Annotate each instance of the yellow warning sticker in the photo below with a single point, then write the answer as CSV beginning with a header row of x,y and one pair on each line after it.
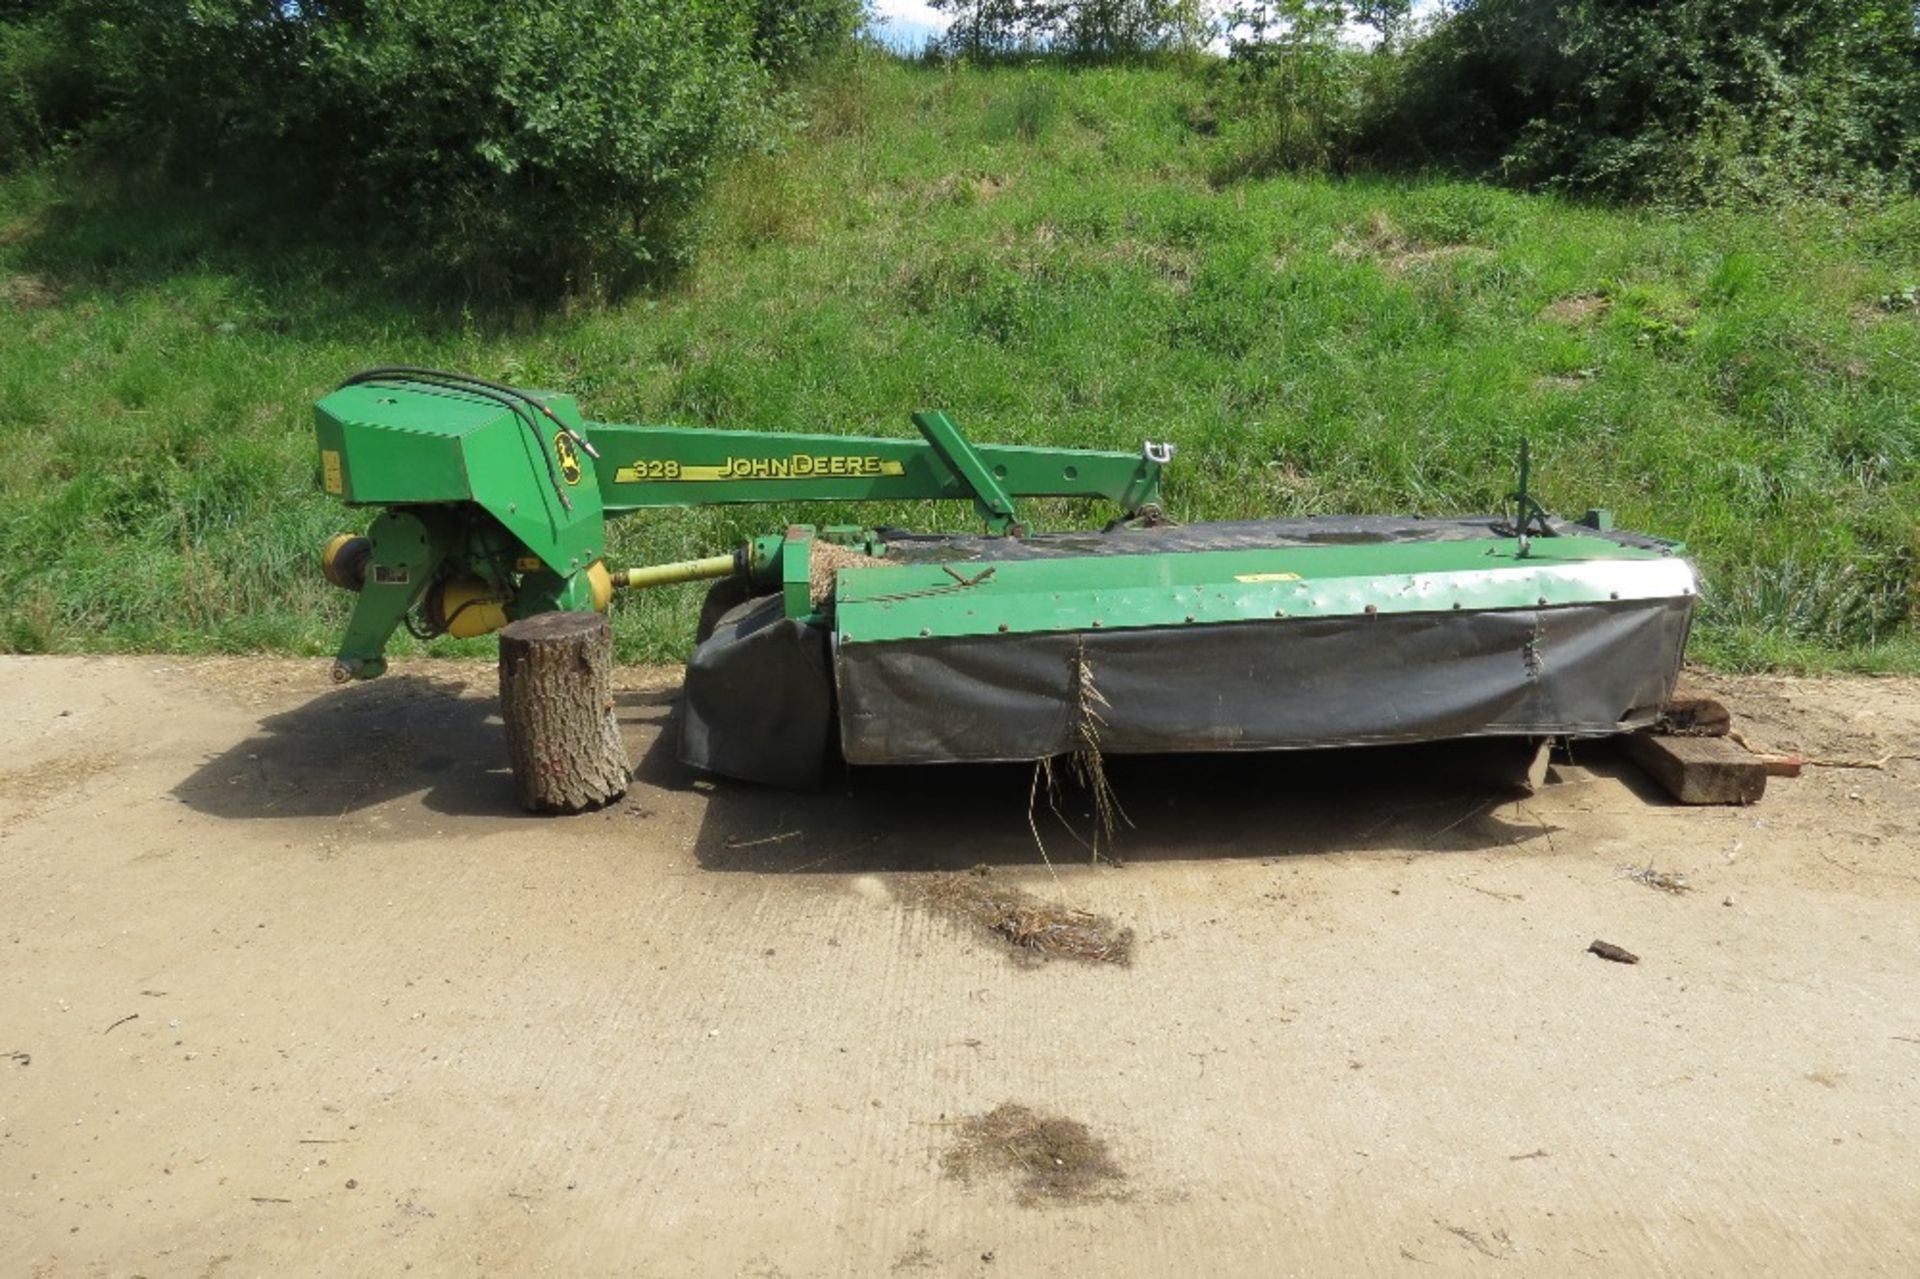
x,y
330,472
1266,577
799,466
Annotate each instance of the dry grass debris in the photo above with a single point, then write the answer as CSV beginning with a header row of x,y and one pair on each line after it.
x,y
1056,1160
1577,309
826,559
1085,764
1036,930
1397,252
1666,881
31,788
964,188
27,292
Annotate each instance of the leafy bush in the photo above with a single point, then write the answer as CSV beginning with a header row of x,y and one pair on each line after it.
x,y
791,33
1688,101
544,144
45,91
546,139
1298,93
22,53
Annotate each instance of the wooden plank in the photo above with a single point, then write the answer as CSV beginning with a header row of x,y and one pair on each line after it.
x,y
1699,770
1695,715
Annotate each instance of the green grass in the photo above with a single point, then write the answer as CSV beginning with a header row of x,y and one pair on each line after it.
x,y
1042,254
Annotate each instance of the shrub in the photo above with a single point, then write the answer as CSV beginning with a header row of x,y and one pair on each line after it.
x,y
45,92
1688,101
541,142
791,33
538,145
1298,93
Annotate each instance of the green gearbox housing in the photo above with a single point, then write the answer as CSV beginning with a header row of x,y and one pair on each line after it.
x,y
1252,635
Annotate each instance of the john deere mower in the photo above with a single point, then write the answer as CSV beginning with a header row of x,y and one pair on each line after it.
x,y
1011,643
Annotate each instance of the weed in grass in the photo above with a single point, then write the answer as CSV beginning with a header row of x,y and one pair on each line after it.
x,y
1024,111
1907,299
1833,603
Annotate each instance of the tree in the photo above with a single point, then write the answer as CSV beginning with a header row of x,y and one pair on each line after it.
x,y
1298,86
1083,30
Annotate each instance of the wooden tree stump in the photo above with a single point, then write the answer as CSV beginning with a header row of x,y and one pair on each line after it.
x,y
556,696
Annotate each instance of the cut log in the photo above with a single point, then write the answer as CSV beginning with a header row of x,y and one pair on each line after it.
x,y
1699,770
556,696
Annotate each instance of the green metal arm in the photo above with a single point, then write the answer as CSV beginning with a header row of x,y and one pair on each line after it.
x,y
496,498
642,467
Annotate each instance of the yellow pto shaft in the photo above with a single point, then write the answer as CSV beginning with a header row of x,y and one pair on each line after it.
x,y
700,570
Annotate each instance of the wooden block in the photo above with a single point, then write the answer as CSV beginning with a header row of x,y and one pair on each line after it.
x,y
1700,770
1692,714
1538,766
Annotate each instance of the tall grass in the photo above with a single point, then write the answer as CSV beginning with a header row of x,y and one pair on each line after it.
x,y
1041,253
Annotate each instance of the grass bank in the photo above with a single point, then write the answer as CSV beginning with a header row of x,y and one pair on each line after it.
x,y
1047,256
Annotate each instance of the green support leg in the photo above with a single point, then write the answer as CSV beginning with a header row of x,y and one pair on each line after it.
x,y
796,571
407,549
548,592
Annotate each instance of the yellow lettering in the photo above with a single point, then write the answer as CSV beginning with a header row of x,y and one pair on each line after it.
x,y
795,466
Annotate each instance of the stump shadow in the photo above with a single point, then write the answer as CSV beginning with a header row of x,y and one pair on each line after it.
x,y
356,747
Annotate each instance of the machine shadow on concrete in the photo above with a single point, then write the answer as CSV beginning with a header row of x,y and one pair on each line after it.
x,y
353,749
1441,797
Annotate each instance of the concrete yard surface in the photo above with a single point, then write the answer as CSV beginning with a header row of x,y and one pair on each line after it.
x,y
288,986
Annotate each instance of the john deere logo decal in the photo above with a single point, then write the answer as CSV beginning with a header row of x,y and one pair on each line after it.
x,y
799,466
569,459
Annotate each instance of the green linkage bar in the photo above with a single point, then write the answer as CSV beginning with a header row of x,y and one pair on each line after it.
x,y
664,466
